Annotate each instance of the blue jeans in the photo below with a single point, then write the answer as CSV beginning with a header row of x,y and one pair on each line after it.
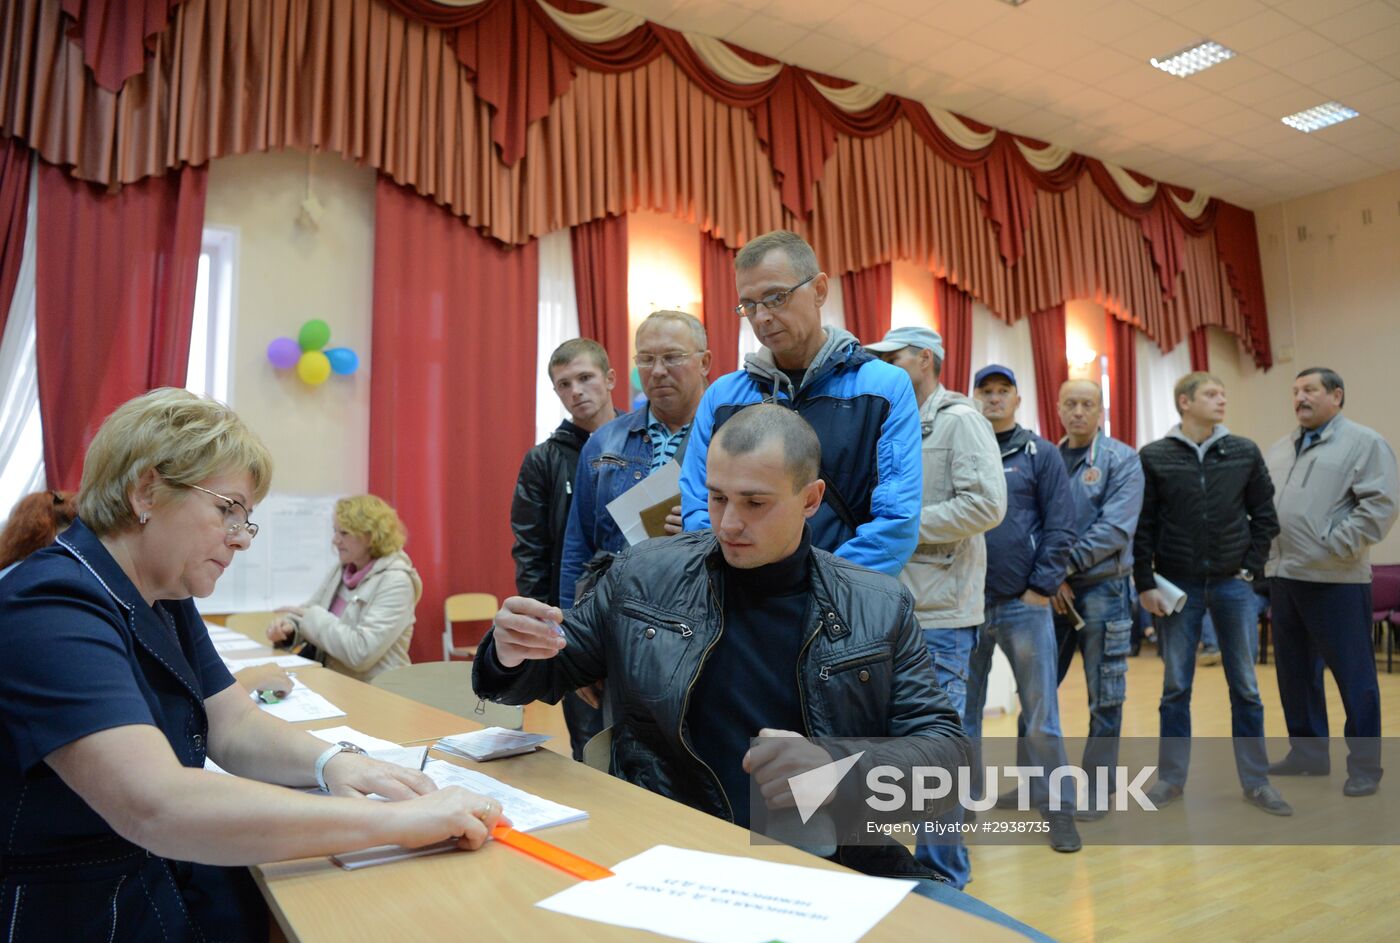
x,y
1231,603
1104,641
947,894
1026,634
951,651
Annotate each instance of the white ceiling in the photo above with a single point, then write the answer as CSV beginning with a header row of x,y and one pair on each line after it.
x,y
1075,72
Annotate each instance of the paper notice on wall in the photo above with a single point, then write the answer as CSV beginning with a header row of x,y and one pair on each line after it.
x,y
287,561
710,898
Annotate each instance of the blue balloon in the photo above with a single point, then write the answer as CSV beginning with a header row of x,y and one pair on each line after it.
x,y
343,360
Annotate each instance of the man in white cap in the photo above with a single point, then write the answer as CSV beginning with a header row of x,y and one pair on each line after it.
x,y
964,496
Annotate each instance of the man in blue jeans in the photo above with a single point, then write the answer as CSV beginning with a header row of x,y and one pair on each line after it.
x,y
1026,557
1105,478
1206,524
964,496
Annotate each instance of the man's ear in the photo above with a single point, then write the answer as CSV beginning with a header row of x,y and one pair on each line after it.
x,y
820,287
812,497
611,378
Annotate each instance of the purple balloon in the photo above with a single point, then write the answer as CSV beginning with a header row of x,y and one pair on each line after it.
x,y
284,353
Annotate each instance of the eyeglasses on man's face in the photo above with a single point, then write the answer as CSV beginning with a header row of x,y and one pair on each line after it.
x,y
671,359
236,513
772,301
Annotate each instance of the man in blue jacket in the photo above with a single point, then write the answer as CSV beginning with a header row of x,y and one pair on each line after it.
x,y
1026,558
862,409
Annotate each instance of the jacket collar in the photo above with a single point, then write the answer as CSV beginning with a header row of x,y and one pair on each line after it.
x,y
1090,457
153,627
569,434
833,622
1020,438
1334,425
840,349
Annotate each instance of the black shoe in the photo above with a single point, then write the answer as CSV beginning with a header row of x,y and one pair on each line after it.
x,y
1008,800
1290,766
1163,794
1089,815
1361,786
1208,656
1267,798
1064,837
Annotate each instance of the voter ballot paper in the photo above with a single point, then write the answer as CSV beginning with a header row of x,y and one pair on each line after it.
x,y
527,813
492,743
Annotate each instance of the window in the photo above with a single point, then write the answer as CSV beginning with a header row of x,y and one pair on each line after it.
x,y
21,434
212,328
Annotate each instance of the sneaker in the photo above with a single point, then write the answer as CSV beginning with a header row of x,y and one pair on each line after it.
x,y
1267,798
1361,786
1064,837
1090,814
1208,657
1163,794
1290,766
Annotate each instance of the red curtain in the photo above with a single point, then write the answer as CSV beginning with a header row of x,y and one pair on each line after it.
x,y
1122,379
452,394
116,34
955,324
115,281
600,281
718,300
869,296
1200,348
1051,367
14,213
1237,245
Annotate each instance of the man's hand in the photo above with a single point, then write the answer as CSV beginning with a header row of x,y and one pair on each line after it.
x,y
1154,602
1031,598
592,695
674,524
1063,599
527,629
784,754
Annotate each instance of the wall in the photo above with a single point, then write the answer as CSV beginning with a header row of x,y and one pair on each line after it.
x,y
1333,301
287,274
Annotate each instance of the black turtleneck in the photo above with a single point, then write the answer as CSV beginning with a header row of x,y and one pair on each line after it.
x,y
749,680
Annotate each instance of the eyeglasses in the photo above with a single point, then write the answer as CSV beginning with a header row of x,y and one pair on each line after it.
x,y
236,514
672,359
772,301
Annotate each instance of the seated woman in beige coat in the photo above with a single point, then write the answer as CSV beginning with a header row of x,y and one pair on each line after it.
x,y
361,619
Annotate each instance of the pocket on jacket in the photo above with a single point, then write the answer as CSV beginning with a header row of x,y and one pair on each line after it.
x,y
939,555
938,475
655,645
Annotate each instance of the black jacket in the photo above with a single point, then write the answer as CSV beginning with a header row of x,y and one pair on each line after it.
x,y
1203,519
539,511
649,625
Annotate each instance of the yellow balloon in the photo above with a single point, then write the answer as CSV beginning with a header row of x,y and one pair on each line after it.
x,y
313,368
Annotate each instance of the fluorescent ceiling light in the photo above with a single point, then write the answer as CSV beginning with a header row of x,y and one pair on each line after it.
x,y
1194,59
1314,119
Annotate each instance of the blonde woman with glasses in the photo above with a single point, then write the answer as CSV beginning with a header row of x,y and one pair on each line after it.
x,y
112,698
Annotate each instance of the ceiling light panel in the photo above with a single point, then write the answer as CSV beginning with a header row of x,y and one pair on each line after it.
x,y
1193,59
1322,116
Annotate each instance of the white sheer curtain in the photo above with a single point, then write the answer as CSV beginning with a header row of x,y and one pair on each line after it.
x,y
995,341
21,435
1157,374
558,323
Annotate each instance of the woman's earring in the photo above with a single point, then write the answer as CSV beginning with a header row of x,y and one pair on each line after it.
x,y
145,517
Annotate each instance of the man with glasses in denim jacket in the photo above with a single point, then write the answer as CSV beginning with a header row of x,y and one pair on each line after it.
x,y
862,409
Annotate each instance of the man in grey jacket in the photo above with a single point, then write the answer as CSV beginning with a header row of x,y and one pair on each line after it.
x,y
1337,485
964,496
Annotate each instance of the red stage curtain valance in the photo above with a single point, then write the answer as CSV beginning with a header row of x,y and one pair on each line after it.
x,y
718,300
869,296
1051,367
955,324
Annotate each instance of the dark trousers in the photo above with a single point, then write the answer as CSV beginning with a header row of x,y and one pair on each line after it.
x,y
1317,624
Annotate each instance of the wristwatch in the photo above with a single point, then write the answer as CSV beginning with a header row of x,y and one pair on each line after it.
x,y
334,750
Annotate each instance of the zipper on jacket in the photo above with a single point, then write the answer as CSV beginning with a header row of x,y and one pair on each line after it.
x,y
685,701
869,658
801,656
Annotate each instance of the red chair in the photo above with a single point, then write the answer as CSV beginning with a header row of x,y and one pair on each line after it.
x,y
1385,606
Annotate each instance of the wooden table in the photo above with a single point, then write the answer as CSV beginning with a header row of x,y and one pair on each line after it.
x,y
490,894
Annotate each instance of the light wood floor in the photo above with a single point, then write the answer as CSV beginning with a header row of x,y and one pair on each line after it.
x,y
1197,894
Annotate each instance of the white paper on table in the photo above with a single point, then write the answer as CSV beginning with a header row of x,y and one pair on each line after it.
x,y
237,644
1172,594
281,661
349,734
710,898
626,508
301,703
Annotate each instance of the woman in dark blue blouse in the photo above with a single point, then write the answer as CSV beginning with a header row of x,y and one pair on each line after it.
x,y
112,696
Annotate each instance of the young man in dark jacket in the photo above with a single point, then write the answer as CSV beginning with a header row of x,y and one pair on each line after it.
x,y
1206,524
539,512
716,637
1026,558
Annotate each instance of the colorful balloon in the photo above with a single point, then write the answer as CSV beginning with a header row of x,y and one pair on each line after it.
x,y
313,368
344,361
314,334
283,353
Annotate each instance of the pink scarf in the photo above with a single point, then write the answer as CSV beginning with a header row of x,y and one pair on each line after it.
x,y
349,578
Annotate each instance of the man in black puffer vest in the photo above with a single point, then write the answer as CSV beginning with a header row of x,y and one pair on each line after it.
x,y
1206,524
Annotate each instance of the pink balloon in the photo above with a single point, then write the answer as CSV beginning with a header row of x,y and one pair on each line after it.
x,y
284,353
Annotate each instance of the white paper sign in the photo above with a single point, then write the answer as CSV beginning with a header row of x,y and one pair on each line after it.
x,y
709,898
627,507
1173,595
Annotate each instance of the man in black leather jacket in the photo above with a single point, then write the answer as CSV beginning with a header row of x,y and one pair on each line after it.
x,y
539,512
717,636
